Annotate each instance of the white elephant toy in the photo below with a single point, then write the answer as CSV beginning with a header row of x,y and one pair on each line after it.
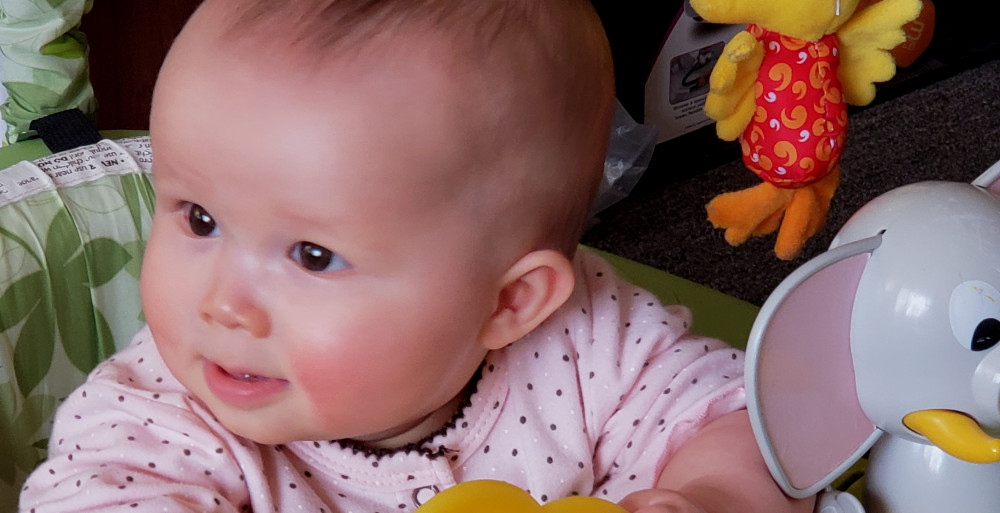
x,y
889,342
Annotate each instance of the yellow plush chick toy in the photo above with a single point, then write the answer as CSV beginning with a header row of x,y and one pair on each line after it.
x,y
487,496
782,87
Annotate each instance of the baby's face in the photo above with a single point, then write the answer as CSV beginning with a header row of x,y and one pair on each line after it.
x,y
311,274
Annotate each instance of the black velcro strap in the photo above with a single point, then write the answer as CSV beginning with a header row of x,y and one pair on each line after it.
x,y
66,130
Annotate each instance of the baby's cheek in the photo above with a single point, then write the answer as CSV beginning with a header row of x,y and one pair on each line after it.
x,y
340,353
184,364
168,311
317,374
332,377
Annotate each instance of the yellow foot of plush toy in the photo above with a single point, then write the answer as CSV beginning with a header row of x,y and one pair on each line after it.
x,y
797,214
488,496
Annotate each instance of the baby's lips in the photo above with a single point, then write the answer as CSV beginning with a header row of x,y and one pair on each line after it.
x,y
488,496
243,373
239,388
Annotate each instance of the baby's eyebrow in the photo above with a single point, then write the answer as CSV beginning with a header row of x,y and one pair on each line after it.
x,y
302,215
170,177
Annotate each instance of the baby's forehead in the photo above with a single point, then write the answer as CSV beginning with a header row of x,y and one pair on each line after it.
x,y
340,28
489,89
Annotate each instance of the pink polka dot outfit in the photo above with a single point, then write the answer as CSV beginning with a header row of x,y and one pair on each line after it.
x,y
593,402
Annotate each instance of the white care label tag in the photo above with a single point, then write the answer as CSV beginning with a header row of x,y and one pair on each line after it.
x,y
22,180
76,166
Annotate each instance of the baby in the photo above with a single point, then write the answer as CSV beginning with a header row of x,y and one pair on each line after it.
x,y
362,283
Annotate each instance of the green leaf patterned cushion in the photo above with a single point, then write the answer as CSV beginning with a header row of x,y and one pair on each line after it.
x,y
73,227
43,56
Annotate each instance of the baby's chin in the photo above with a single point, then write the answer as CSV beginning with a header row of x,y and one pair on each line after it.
x,y
420,429
269,426
266,432
258,426
264,436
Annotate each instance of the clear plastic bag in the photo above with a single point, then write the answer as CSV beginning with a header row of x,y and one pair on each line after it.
x,y
630,149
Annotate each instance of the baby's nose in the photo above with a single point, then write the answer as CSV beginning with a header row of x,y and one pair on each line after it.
x,y
230,301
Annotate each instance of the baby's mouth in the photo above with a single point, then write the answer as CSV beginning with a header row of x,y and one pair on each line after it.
x,y
241,388
242,376
238,373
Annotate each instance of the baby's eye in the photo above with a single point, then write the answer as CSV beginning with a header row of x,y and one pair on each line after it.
x,y
316,258
200,221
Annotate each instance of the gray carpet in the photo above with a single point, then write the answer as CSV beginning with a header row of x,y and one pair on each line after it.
x,y
948,130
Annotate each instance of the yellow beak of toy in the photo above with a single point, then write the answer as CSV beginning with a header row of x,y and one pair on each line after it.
x,y
488,496
956,434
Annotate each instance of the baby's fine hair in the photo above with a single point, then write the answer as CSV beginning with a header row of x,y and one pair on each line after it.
x,y
568,64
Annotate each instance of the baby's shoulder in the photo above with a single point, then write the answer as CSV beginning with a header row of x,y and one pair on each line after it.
x,y
133,385
607,321
137,366
133,396
605,306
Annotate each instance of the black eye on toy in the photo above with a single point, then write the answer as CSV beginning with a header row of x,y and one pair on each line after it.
x,y
987,334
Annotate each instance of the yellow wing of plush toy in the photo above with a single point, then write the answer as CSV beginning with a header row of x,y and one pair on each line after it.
x,y
731,98
865,42
782,87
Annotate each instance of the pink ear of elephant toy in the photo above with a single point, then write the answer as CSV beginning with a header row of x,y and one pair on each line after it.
x,y
889,342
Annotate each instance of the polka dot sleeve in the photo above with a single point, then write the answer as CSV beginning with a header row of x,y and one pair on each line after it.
x,y
647,384
131,439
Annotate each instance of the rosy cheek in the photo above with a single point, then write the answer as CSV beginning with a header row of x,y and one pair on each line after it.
x,y
331,370
318,376
340,370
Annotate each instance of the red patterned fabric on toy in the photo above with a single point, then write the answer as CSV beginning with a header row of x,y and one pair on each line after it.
x,y
797,133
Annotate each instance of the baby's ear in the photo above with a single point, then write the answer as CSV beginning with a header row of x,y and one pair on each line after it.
x,y
532,289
